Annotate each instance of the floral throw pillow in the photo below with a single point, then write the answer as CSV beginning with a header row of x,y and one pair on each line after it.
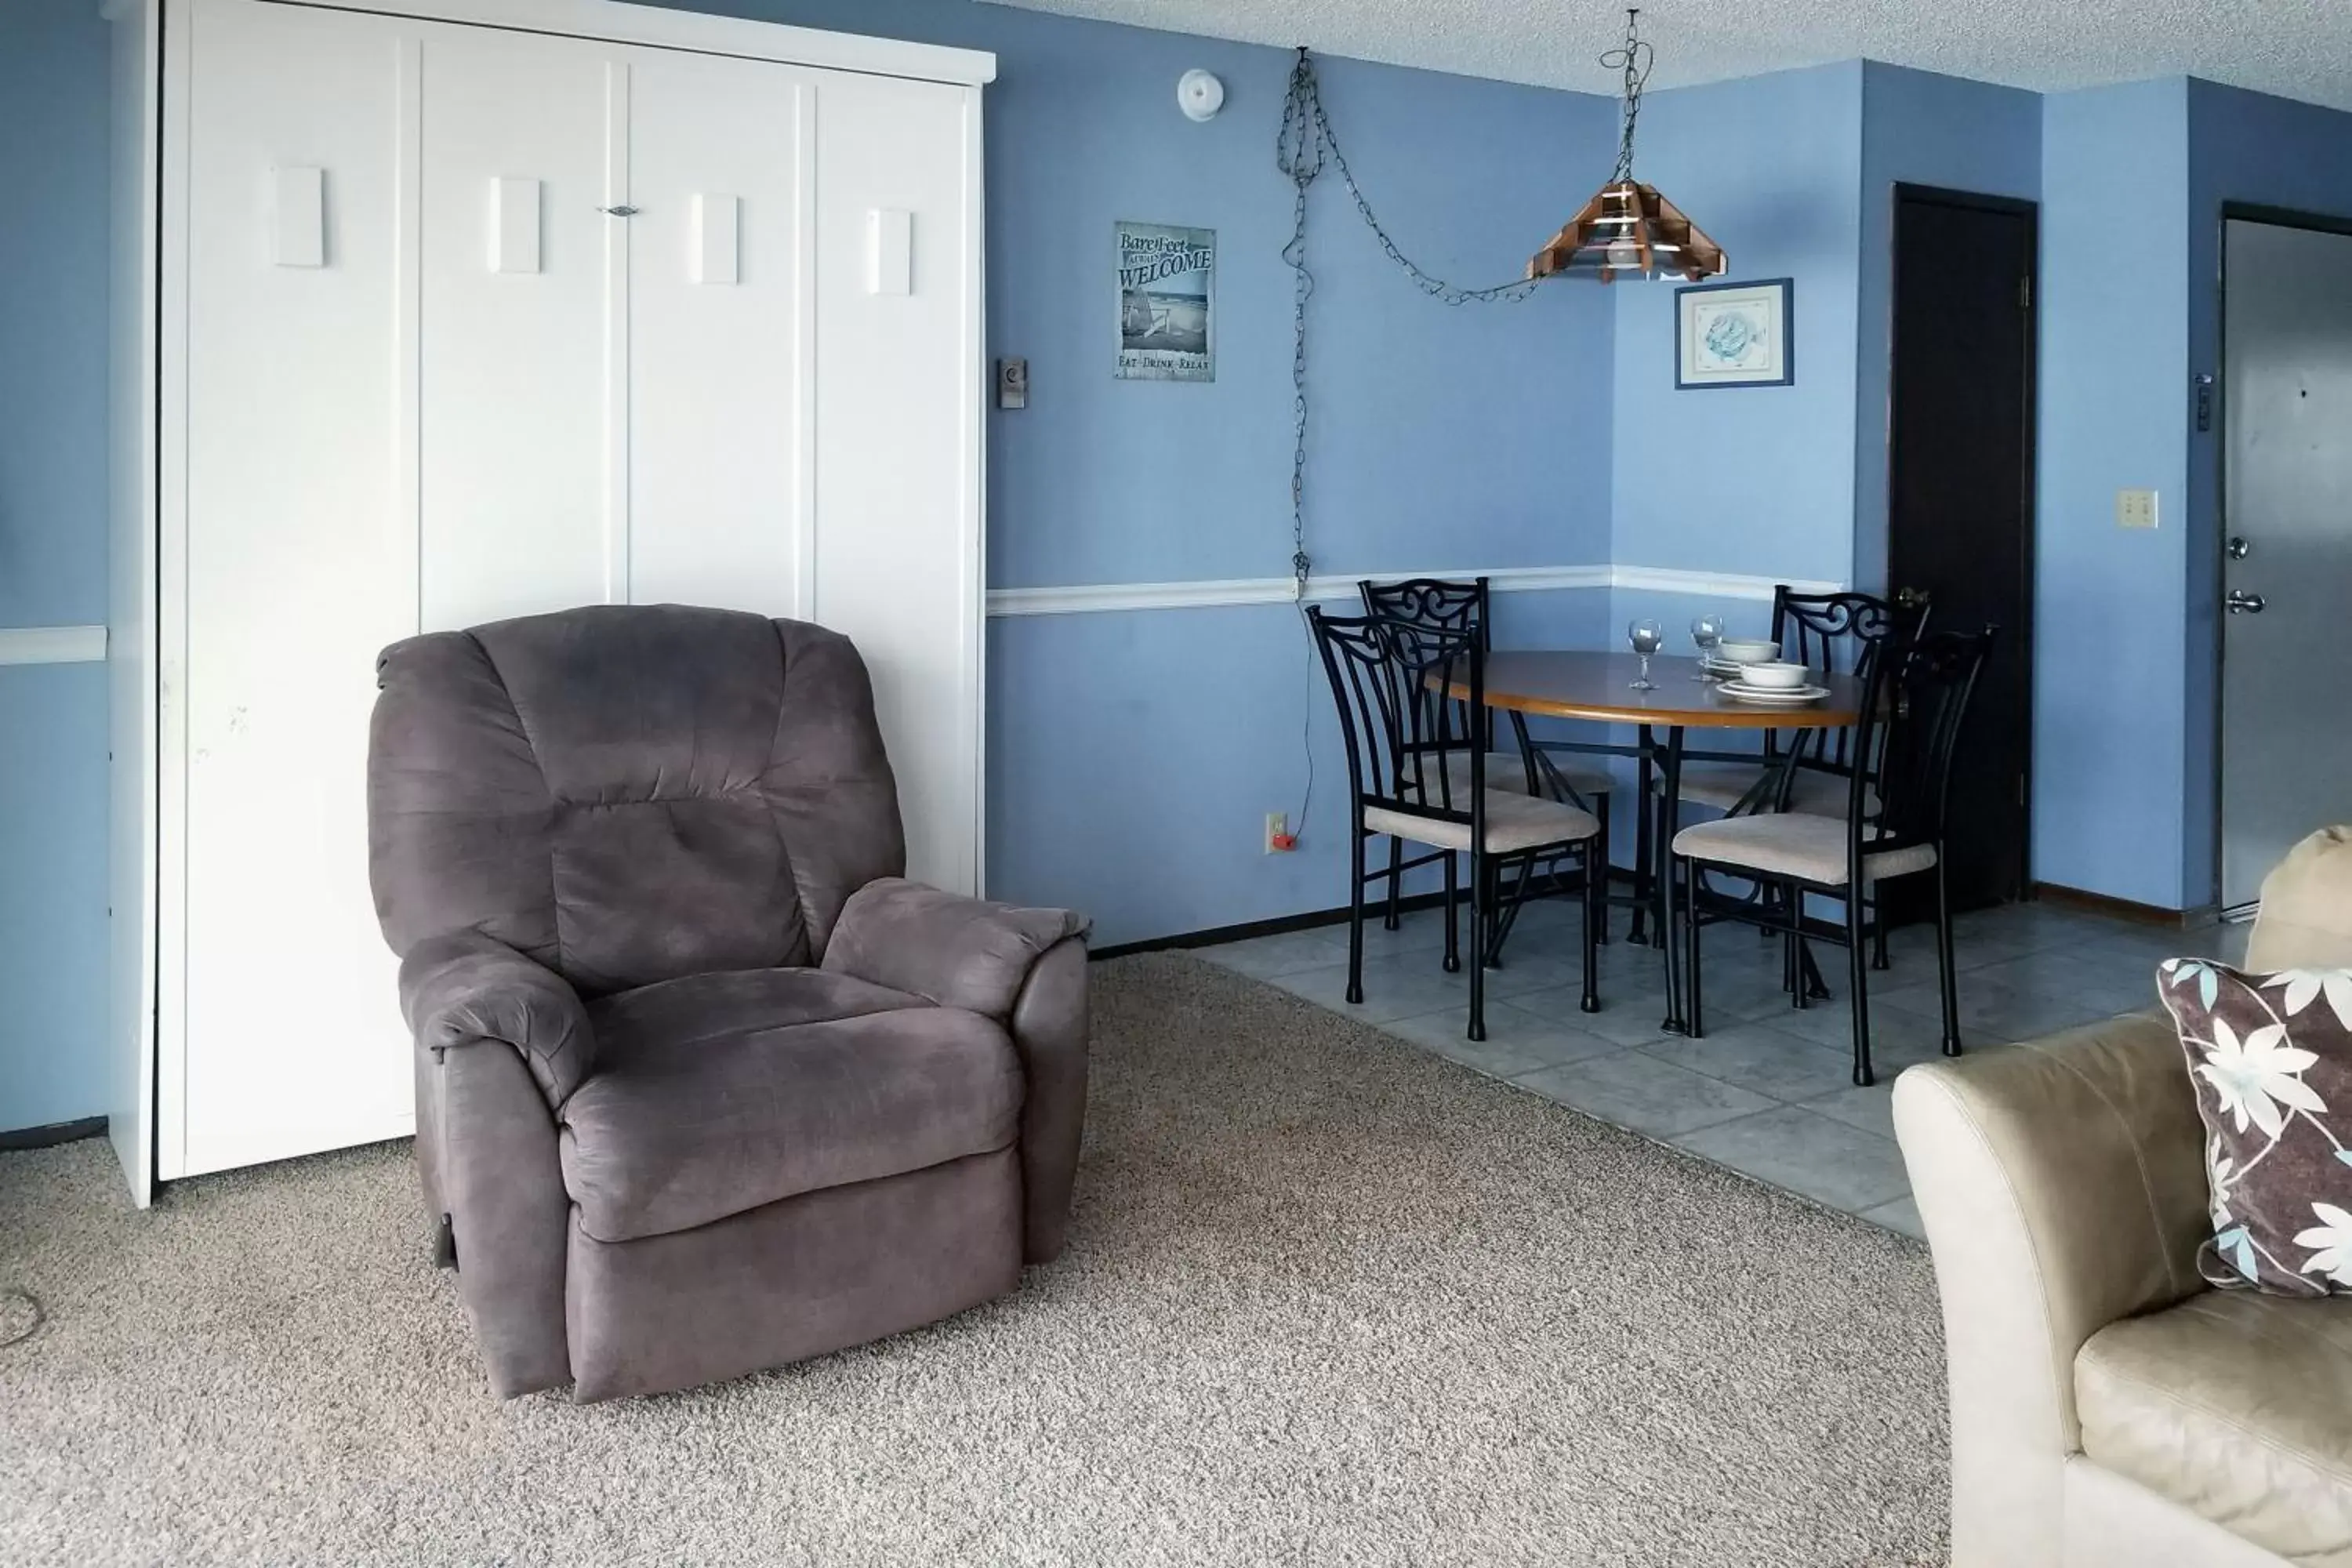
x,y
2271,1059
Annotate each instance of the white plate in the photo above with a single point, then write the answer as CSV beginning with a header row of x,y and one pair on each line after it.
x,y
1790,695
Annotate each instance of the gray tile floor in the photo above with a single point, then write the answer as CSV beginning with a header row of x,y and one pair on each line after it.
x,y
1768,1091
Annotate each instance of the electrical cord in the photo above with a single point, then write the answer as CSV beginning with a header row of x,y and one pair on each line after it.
x,y
1302,147
31,1311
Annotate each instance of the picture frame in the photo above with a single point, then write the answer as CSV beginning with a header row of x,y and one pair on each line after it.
x,y
1166,302
1735,334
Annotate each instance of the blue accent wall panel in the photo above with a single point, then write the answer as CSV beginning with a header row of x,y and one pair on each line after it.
x,y
53,502
1748,479
2109,602
1920,127
53,313
53,945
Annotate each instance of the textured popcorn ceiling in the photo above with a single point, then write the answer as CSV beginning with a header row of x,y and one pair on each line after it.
x,y
2296,49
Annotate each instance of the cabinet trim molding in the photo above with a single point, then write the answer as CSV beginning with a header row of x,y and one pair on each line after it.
x,y
614,22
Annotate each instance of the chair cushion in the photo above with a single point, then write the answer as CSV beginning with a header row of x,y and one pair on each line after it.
x,y
715,1094
1793,844
2235,1406
1514,822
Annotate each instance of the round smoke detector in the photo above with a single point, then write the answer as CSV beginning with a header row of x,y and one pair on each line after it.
x,y
1199,95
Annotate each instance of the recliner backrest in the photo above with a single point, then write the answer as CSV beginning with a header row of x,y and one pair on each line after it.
x,y
628,794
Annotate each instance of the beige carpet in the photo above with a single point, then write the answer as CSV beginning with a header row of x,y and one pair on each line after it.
x,y
1328,1300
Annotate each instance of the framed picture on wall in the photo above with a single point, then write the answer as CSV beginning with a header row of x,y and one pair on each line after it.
x,y
1734,334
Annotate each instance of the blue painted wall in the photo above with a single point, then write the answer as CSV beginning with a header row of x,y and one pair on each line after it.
x,y
2109,603
1918,128
53,279
1752,479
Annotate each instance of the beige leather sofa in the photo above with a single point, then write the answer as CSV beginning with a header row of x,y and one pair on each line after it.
x,y
2108,1410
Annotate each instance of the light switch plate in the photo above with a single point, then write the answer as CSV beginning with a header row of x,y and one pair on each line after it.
x,y
2134,509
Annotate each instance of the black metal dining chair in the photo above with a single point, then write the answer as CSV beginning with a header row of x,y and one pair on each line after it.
x,y
1837,634
1409,699
1453,605
1915,700
1842,633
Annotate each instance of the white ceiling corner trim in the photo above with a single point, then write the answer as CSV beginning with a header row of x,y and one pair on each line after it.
x,y
2294,49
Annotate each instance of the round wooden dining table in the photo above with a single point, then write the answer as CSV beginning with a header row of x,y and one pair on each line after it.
x,y
1577,683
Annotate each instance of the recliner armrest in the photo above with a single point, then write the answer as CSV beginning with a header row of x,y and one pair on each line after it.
x,y
463,987
955,951
2062,1185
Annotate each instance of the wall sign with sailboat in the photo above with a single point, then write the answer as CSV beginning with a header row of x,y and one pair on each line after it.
x,y
1166,302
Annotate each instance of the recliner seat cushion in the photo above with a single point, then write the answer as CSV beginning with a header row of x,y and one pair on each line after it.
x,y
725,1092
704,1007
2233,1406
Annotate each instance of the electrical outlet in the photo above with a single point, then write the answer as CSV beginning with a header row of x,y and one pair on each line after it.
x,y
2134,509
1279,840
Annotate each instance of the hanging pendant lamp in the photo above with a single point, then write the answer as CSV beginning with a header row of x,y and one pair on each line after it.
x,y
1628,229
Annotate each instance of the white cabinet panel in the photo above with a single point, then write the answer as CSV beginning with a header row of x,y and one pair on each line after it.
x,y
298,566
718,458
898,546
413,375
518,412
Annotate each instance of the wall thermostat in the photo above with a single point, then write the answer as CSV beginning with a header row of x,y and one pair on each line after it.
x,y
1199,95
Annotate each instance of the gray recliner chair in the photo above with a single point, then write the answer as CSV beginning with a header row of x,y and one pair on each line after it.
x,y
703,1086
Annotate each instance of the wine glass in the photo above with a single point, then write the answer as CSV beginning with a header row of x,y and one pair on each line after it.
x,y
1706,632
1647,637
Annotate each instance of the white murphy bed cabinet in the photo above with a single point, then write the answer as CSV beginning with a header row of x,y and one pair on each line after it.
x,y
430,312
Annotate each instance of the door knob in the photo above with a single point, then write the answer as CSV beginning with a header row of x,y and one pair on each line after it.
x,y
2242,602
1909,598
2238,547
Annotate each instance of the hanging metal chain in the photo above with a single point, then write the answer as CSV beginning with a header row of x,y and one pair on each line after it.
x,y
1305,143
1298,152
1301,148
1633,57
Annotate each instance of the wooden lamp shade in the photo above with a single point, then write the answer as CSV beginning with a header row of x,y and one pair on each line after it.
x,y
1629,228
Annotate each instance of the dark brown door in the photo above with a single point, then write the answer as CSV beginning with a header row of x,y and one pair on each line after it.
x,y
1961,495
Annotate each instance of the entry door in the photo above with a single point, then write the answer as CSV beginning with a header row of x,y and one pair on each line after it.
x,y
2287,755
1960,496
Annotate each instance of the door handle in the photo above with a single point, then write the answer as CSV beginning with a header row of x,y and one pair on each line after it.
x,y
1909,598
2240,602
